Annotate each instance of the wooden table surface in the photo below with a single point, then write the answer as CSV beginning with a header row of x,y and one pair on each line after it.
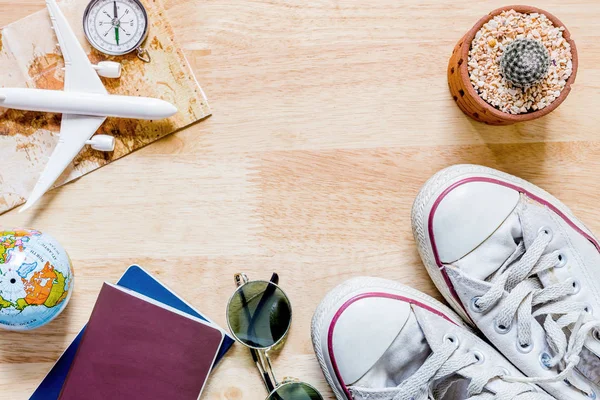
x,y
328,117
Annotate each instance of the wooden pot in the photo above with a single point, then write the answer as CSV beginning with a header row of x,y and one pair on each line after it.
x,y
465,95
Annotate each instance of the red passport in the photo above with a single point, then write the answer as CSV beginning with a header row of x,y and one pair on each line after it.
x,y
136,348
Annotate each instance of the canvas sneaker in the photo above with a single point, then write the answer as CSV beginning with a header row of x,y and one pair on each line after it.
x,y
377,339
514,261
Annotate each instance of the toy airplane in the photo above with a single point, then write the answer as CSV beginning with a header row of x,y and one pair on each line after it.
x,y
84,104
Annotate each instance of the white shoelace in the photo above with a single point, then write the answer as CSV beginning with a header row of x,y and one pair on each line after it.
x,y
440,371
527,299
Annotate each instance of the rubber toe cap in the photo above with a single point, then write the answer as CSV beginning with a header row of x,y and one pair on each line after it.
x,y
468,214
364,331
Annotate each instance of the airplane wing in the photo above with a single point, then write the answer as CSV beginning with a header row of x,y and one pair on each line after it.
x,y
75,130
80,76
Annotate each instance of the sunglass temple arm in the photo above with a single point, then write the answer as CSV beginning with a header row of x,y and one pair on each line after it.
x,y
261,358
266,369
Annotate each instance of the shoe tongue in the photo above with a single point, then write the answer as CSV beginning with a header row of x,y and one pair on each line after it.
x,y
405,355
532,219
494,251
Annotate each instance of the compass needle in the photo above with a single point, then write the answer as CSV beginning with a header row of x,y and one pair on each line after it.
x,y
116,27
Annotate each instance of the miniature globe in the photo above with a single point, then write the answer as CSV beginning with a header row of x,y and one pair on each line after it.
x,y
36,279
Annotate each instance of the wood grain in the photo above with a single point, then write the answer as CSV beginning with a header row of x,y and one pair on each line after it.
x,y
328,117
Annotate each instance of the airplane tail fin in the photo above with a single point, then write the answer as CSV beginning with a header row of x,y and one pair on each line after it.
x,y
30,202
38,191
24,208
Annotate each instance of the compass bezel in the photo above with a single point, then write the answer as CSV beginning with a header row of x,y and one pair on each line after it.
x,y
86,14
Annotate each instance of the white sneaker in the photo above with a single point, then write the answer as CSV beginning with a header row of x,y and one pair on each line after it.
x,y
515,262
377,339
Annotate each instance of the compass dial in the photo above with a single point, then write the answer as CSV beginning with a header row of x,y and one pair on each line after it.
x,y
115,27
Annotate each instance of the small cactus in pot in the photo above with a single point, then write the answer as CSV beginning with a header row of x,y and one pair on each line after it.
x,y
525,62
516,64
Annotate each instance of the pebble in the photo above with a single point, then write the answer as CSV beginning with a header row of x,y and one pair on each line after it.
x,y
486,51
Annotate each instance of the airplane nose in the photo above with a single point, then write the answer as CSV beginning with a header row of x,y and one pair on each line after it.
x,y
172,110
164,108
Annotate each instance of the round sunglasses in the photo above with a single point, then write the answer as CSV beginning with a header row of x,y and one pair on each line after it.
x,y
259,315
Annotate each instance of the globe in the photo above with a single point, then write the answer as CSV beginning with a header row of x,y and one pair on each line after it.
x,y
36,279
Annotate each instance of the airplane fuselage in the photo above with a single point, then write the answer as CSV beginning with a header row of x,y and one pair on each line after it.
x,y
101,105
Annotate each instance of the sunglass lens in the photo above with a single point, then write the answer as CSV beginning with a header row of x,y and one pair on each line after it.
x,y
295,391
259,314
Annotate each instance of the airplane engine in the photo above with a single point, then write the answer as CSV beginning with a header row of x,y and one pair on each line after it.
x,y
108,69
102,143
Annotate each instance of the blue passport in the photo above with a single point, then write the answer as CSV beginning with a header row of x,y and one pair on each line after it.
x,y
138,280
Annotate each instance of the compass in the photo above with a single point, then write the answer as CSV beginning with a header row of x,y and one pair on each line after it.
x,y
117,27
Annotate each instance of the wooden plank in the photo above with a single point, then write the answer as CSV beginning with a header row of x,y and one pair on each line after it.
x,y
328,117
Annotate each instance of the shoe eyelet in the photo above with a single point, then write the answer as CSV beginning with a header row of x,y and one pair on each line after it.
x,y
450,338
505,372
596,334
525,349
588,309
502,329
546,231
576,286
592,394
562,260
479,357
474,306
545,360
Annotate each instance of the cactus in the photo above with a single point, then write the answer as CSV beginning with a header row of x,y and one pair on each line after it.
x,y
525,62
